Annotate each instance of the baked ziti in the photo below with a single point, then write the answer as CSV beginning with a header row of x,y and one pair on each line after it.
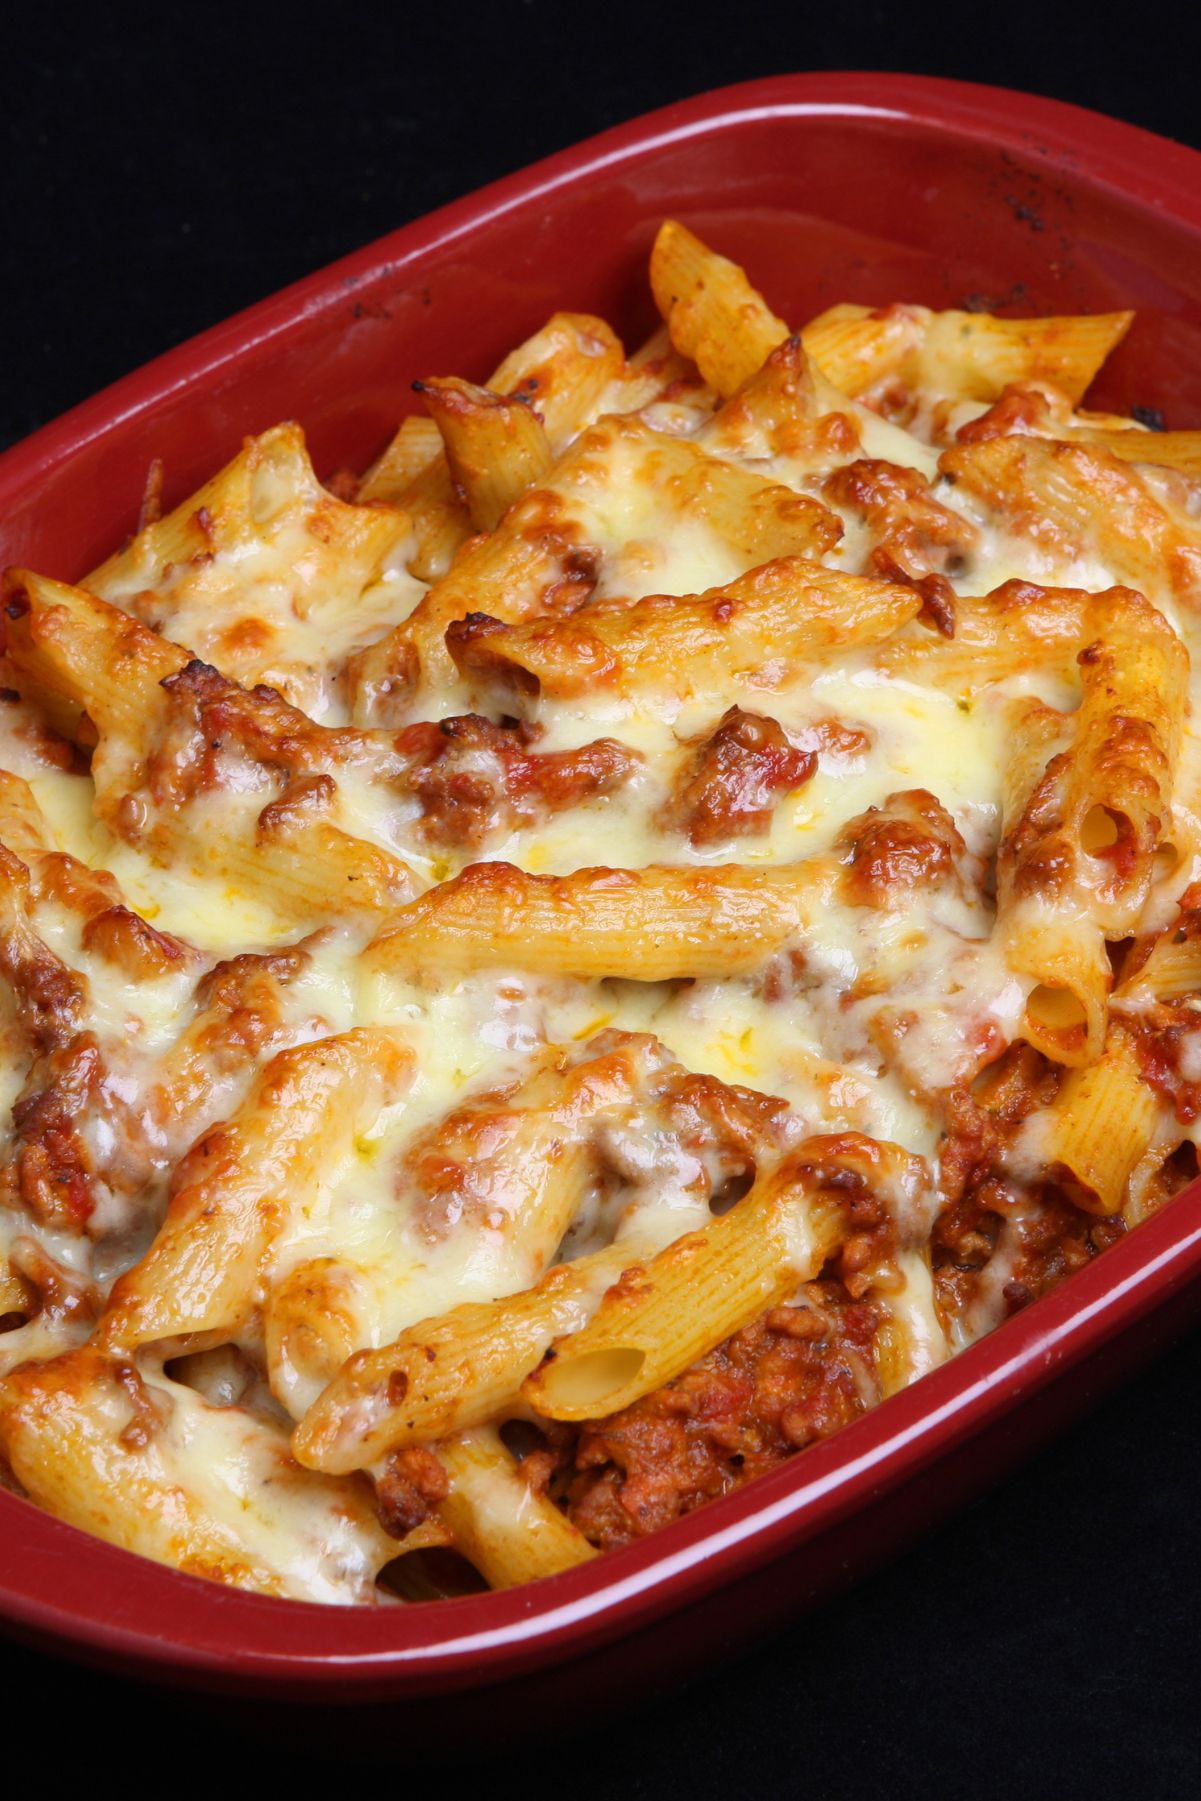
x,y
545,976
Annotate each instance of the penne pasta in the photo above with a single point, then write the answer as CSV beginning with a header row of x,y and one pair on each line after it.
x,y
1075,500
495,448
655,370
714,315
1103,1121
413,474
662,1315
260,557
1166,967
1179,450
450,1374
978,355
233,1191
645,925
1081,834
560,374
973,356
312,1320
857,346
508,1531
755,631
786,409
563,372
416,446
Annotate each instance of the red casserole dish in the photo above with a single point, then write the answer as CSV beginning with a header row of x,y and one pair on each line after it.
x,y
829,187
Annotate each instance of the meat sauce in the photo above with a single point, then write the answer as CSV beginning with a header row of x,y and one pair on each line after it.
x,y
793,1376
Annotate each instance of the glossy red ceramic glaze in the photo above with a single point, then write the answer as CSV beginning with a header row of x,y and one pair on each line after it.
x,y
862,187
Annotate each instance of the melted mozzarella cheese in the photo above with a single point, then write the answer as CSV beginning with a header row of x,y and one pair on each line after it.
x,y
928,973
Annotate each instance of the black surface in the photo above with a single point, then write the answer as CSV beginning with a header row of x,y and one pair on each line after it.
x,y
165,169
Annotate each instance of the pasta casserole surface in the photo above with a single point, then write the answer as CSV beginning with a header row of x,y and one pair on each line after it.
x,y
544,977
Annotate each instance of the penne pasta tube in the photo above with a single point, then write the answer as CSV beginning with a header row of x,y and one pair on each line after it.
x,y
148,701
312,1321
1156,1177
505,1528
91,655
1080,835
1179,450
265,572
857,346
973,356
1076,499
267,500
59,1429
1101,1123
1060,950
1110,795
755,517
561,373
417,444
495,448
786,409
1066,963
521,1159
309,868
452,1373
233,1193
977,356
1166,967
653,368
437,512
661,1316
1019,627
1117,792
1035,734
648,925
755,630
713,313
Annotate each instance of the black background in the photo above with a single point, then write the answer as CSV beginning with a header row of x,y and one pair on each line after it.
x,y
161,171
